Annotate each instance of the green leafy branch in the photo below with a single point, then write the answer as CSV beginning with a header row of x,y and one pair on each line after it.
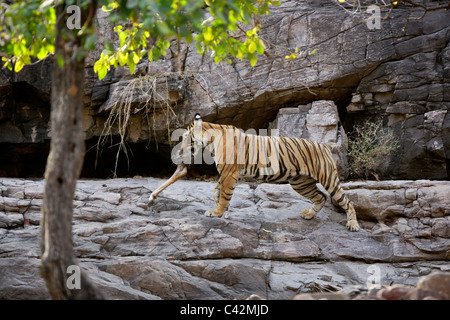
x,y
26,31
154,23
298,53
145,28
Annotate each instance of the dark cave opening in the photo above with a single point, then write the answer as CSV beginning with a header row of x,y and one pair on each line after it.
x,y
28,160
142,159
23,160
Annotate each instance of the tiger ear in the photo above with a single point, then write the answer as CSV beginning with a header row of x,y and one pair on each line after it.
x,y
198,121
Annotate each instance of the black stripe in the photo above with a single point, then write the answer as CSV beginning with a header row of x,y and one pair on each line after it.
x,y
305,161
342,198
334,190
306,148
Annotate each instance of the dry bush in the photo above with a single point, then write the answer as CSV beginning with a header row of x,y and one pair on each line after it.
x,y
368,148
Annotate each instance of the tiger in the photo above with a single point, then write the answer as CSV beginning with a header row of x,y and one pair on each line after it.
x,y
300,162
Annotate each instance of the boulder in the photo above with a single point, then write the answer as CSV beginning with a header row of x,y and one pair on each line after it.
x,y
436,282
318,121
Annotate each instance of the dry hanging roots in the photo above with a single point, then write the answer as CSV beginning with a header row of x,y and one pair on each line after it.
x,y
120,112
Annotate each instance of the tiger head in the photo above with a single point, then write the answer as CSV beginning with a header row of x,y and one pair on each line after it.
x,y
197,132
193,140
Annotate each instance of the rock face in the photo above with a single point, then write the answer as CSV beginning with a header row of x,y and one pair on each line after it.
x,y
172,251
415,107
398,73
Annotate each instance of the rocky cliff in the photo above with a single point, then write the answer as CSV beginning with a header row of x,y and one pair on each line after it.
x,y
398,73
172,251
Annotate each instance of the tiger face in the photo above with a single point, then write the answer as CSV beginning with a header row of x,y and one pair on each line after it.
x,y
197,134
193,140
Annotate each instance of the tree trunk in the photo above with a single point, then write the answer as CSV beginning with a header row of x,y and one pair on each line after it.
x,y
64,165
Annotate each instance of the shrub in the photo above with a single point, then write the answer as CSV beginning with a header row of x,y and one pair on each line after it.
x,y
368,148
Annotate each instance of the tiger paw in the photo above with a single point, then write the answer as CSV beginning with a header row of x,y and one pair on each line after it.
x,y
307,214
151,200
353,225
212,213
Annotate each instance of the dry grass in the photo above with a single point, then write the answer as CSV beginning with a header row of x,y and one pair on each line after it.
x,y
125,106
369,148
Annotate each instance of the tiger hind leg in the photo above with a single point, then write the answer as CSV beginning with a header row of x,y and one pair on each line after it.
x,y
307,187
344,202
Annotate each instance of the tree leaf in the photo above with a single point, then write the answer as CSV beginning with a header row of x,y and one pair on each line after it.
x,y
97,65
150,55
252,58
19,65
240,52
90,41
110,6
132,66
251,47
220,49
102,72
163,28
60,60
208,35
261,47
136,58
166,44
42,53
122,58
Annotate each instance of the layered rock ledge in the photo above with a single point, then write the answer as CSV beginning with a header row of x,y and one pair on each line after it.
x,y
172,251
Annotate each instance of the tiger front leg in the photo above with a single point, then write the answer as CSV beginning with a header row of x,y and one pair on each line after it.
x,y
215,213
217,193
180,172
222,204
222,195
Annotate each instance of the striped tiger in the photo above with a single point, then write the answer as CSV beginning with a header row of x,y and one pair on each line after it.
x,y
300,162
